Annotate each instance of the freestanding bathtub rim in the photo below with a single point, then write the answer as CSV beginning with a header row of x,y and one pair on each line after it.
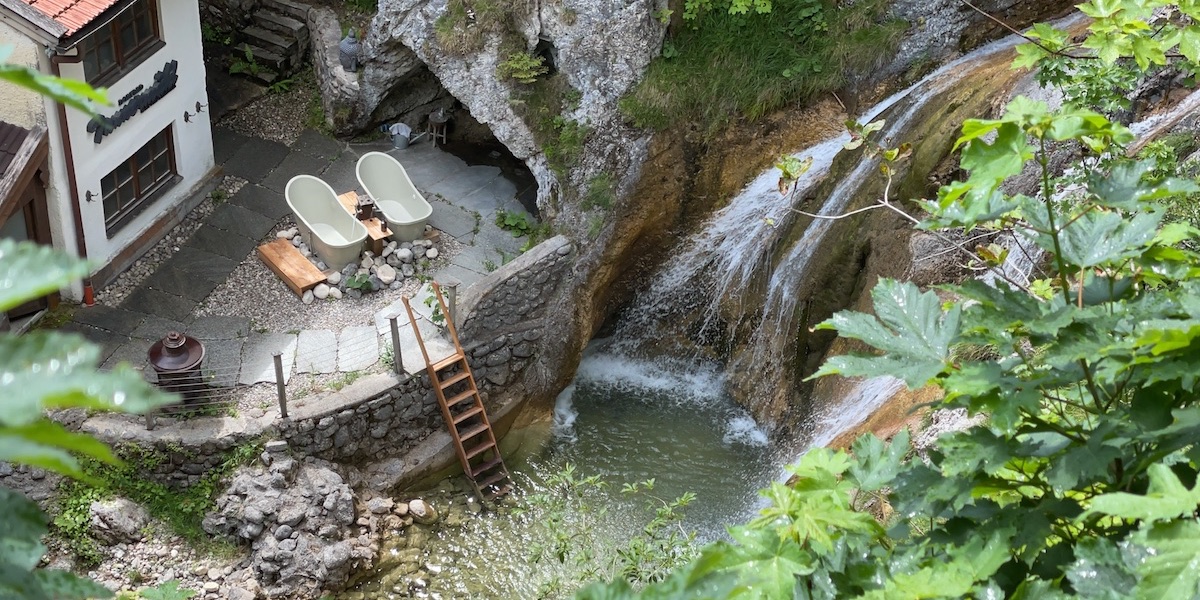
x,y
397,187
320,206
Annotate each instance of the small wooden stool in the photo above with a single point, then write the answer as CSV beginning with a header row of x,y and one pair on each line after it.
x,y
436,127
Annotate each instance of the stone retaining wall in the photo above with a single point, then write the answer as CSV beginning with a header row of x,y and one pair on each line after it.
x,y
379,416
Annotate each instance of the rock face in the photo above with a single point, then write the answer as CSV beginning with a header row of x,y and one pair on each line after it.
x,y
299,519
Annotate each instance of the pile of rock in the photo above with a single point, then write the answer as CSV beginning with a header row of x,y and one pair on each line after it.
x,y
299,518
397,261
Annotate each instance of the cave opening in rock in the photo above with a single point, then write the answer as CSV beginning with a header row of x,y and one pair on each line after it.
x,y
416,97
549,54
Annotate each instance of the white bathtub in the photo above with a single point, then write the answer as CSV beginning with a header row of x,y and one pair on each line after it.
x,y
334,234
387,183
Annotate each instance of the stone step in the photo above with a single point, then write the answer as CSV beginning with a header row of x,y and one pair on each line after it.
x,y
291,9
263,58
283,25
273,42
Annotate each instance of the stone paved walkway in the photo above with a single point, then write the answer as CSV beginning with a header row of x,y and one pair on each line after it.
x,y
464,198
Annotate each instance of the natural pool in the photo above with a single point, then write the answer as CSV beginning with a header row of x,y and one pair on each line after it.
x,y
623,420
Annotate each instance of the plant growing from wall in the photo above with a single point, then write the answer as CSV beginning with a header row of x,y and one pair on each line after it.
x,y
522,67
246,64
1084,480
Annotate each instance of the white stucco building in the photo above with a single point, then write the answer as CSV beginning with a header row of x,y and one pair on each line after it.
x,y
113,185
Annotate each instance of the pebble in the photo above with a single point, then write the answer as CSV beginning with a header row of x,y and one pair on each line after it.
x,y
296,241
367,262
334,278
285,235
211,586
335,293
321,292
215,574
431,253
200,570
388,251
405,254
322,266
307,298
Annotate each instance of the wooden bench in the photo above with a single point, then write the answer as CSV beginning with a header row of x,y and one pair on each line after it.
x,y
286,261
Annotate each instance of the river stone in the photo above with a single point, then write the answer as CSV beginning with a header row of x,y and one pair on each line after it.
x,y
321,292
386,274
307,298
296,241
380,506
422,512
388,250
335,293
405,254
367,262
334,278
285,235
431,253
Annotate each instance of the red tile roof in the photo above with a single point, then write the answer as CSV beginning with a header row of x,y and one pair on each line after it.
x,y
11,138
72,14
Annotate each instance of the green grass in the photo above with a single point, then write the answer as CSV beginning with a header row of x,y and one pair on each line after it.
x,y
181,510
726,66
600,192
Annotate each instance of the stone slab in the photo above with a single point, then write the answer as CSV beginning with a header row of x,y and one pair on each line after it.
x,y
107,341
226,143
223,362
296,163
109,318
316,351
171,280
241,221
258,362
318,145
383,325
357,348
202,264
133,351
340,174
219,328
154,302
255,158
469,188
491,237
464,275
436,345
218,241
266,202
453,220
155,328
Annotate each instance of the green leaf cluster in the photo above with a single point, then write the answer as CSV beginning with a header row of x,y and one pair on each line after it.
x,y
1083,479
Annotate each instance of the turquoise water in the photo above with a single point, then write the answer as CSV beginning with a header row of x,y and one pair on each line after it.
x,y
622,420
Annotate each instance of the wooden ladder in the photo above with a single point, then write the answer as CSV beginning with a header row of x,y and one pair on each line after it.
x,y
462,408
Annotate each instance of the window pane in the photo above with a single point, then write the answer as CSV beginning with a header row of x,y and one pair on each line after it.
x,y
110,206
122,174
106,56
128,40
143,155
162,166
127,195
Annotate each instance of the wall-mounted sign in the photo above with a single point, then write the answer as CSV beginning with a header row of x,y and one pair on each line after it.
x,y
135,102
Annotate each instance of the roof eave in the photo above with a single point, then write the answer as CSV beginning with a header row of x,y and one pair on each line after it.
x,y
36,22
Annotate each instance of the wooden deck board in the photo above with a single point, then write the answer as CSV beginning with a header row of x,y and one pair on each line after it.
x,y
286,261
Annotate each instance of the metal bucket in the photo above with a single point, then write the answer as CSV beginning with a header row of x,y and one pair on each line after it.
x,y
399,142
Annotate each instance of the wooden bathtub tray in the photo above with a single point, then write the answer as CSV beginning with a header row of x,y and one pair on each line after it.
x,y
286,261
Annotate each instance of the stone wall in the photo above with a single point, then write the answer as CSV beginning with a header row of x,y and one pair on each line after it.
x,y
504,324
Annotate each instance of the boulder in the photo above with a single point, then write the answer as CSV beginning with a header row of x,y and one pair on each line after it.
x,y
117,520
422,512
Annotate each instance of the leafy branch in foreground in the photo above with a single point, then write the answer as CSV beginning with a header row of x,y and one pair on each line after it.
x,y
39,372
1083,479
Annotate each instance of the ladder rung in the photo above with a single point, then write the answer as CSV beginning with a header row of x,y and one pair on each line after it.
x,y
480,449
460,397
493,480
449,360
467,414
473,431
484,467
455,379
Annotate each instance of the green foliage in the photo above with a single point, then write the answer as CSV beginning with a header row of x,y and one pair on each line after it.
x,y
568,514
1082,481
245,64
436,316
600,192
40,371
522,67
167,590
182,510
359,281
749,63
76,94
281,86
693,8
466,24
516,222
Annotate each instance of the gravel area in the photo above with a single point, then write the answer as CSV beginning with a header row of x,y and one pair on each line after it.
x,y
278,116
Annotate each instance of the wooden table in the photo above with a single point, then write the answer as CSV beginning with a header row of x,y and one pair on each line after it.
x,y
374,226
